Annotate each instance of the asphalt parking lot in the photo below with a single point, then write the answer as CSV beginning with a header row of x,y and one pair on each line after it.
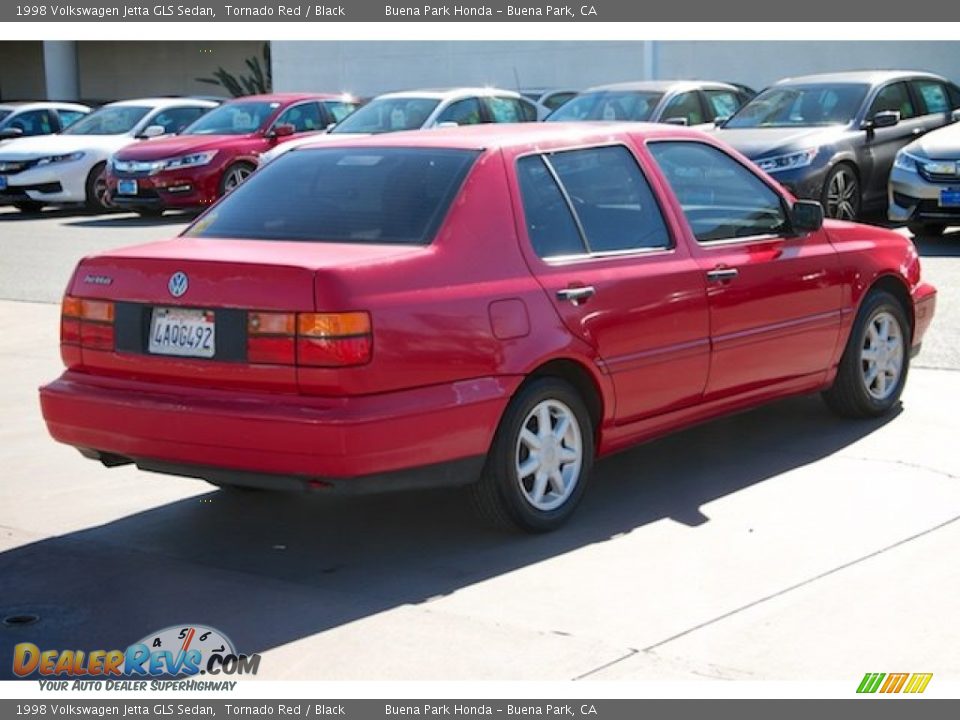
x,y
780,544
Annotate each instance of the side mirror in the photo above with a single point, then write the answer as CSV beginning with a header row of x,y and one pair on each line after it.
x,y
330,127
954,115
806,216
676,121
152,131
282,130
883,119
447,123
720,121
10,132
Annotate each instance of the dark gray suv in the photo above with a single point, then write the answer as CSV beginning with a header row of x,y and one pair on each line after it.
x,y
833,137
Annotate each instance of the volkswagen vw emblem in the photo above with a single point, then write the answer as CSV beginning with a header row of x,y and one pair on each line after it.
x,y
178,284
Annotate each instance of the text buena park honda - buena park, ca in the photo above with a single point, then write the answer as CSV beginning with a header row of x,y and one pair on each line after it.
x,y
565,11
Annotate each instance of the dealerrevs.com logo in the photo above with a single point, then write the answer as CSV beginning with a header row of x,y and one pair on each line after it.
x,y
176,651
888,683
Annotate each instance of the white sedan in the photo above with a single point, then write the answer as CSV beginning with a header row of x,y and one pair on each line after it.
x,y
70,167
422,109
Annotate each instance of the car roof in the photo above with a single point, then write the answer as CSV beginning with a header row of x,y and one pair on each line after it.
x,y
154,102
490,136
868,77
663,86
41,105
450,93
289,97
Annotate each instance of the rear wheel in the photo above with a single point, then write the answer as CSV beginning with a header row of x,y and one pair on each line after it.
x,y
234,176
841,193
28,206
97,197
873,369
540,460
927,229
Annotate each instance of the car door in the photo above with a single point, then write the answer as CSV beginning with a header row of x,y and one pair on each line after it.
x,y
600,246
882,144
775,297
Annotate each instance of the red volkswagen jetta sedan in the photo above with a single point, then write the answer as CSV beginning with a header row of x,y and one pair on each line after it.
x,y
491,306
217,152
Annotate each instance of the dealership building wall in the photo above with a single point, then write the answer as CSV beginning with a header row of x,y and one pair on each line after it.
x,y
368,68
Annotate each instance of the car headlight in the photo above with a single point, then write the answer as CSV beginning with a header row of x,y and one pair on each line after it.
x,y
192,160
49,160
939,167
906,161
791,161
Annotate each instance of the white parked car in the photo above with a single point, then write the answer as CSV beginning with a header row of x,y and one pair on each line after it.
x,y
422,109
70,167
26,119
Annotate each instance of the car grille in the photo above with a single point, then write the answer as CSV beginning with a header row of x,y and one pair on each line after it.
x,y
132,168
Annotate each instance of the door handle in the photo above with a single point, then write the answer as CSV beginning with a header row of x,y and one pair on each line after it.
x,y
577,295
722,274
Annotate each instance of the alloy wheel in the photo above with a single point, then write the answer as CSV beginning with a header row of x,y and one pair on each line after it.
x,y
235,177
843,195
881,356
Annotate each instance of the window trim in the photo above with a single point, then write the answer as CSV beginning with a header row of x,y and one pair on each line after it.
x,y
759,237
590,255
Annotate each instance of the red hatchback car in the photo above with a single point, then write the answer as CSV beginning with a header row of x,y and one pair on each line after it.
x,y
492,306
217,152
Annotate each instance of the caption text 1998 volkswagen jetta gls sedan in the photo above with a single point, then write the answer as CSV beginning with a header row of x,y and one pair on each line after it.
x,y
490,306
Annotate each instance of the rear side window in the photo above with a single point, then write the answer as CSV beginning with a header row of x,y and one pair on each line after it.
x,y
462,112
340,109
510,110
606,196
723,103
721,199
933,95
354,195
69,117
553,231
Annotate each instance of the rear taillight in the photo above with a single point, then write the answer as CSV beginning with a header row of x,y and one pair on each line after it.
x,y
87,323
312,339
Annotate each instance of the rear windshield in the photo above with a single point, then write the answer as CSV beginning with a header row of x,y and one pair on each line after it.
x,y
608,105
356,195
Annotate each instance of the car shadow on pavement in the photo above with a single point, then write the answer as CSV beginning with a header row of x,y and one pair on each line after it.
x,y
269,568
946,245
132,221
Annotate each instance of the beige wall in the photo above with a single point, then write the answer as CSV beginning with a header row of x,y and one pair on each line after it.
x,y
21,70
116,70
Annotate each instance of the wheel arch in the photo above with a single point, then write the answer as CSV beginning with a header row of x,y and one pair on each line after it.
x,y
897,287
582,380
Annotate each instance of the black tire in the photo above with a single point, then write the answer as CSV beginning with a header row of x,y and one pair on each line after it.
x,y
149,212
926,229
28,206
499,497
840,195
849,395
226,182
96,188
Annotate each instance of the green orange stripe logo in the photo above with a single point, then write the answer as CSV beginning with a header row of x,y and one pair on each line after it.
x,y
894,683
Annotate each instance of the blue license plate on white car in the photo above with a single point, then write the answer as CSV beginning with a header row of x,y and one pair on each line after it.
x,y
950,197
3,182
126,187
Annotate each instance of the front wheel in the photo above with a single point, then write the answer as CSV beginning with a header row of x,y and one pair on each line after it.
x,y
540,460
841,193
98,198
873,369
234,176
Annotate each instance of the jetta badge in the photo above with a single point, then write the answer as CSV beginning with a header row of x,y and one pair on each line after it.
x,y
178,284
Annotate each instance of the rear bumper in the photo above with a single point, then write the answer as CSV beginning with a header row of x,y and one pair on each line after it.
x,y
924,306
272,437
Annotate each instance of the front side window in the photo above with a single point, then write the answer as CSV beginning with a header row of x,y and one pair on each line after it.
x,y
350,195
304,117
388,115
174,120
721,199
462,112
110,120
605,193
934,96
687,106
801,106
608,105
510,110
34,122
723,103
234,118
896,98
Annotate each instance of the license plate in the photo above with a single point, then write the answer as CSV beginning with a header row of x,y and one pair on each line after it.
x,y
950,197
126,187
3,182
183,332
